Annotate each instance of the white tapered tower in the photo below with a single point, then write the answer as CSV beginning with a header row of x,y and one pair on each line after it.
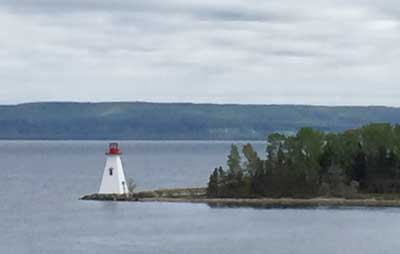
x,y
113,181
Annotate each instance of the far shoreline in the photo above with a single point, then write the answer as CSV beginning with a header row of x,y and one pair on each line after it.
x,y
144,140
198,195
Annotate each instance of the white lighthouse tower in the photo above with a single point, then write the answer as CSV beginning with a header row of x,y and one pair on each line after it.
x,y
113,181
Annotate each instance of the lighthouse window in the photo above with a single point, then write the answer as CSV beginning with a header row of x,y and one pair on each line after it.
x,y
110,171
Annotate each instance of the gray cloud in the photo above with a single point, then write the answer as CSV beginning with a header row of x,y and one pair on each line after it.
x,y
316,52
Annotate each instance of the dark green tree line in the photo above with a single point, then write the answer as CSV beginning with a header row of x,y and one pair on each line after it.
x,y
312,163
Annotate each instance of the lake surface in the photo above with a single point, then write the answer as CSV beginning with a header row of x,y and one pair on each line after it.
x,y
41,181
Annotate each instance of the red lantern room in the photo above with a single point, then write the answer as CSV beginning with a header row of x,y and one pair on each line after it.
x,y
113,149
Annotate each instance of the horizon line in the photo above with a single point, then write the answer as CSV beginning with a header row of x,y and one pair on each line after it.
x,y
196,103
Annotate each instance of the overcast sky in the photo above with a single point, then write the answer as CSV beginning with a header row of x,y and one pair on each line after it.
x,y
339,52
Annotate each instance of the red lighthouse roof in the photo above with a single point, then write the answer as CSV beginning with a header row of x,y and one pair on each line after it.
x,y
113,149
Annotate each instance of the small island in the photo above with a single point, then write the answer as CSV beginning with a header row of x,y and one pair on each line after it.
x,y
358,167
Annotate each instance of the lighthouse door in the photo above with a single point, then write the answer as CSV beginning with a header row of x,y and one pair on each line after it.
x,y
123,186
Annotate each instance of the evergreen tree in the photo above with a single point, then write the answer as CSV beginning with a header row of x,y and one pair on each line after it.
x,y
212,188
234,161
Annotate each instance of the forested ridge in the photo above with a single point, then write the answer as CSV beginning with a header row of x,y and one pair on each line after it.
x,y
313,163
141,120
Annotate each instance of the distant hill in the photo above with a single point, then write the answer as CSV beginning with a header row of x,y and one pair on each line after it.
x,y
140,120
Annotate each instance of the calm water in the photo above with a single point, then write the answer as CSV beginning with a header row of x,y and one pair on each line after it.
x,y
41,181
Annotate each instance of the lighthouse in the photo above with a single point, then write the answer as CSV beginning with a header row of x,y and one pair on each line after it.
x,y
113,181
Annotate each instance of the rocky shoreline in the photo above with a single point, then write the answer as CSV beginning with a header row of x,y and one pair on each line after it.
x,y
182,193
198,195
